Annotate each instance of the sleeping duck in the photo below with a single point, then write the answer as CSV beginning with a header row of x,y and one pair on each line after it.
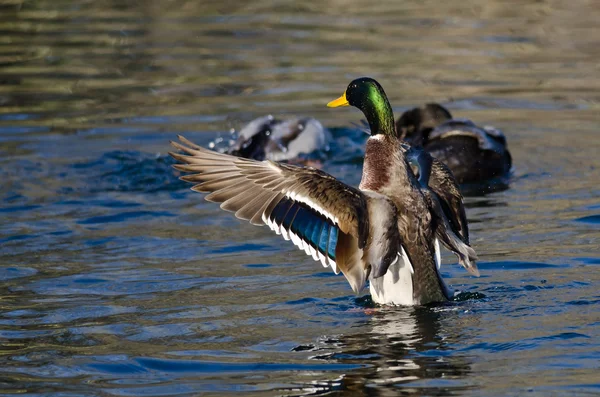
x,y
385,231
474,154
267,138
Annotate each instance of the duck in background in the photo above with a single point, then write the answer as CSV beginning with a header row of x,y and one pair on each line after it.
x,y
268,138
474,154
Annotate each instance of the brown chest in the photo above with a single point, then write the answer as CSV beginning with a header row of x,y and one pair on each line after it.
x,y
377,165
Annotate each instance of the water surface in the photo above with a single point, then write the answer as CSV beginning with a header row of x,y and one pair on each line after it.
x,y
119,281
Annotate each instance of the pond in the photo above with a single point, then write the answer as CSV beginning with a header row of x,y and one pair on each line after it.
x,y
117,280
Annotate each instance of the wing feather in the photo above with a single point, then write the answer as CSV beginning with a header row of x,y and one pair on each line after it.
x,y
443,183
252,207
321,215
218,196
215,184
236,203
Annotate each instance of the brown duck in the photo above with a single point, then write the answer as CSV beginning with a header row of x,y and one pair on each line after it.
x,y
385,231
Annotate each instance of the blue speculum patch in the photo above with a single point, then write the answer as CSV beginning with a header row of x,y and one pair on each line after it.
x,y
312,227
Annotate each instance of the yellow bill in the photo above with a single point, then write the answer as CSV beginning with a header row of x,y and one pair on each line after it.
x,y
341,101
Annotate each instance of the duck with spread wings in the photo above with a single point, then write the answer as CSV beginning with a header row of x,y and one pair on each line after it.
x,y
384,232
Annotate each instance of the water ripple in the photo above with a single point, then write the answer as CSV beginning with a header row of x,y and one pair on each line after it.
x,y
116,279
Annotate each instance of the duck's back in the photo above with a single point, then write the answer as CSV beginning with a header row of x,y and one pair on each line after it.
x,y
469,151
467,161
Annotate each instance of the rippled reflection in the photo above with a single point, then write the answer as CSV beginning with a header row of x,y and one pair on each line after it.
x,y
404,349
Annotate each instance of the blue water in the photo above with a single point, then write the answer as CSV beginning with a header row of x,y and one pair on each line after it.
x,y
117,280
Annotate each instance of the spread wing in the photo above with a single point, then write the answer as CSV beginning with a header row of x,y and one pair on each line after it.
x,y
443,183
321,215
466,255
444,199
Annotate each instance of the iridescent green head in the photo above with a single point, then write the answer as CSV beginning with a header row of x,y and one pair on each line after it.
x,y
367,94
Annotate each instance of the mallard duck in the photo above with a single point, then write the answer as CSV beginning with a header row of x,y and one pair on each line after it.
x,y
385,231
267,138
474,154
